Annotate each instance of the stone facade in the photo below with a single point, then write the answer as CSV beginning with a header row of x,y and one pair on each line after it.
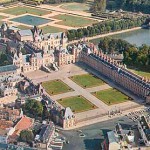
x,y
119,74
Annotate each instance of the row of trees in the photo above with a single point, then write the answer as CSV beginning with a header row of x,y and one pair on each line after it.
x,y
104,27
130,5
135,56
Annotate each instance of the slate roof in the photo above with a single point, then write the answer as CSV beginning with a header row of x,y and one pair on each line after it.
x,y
121,71
8,68
68,113
25,32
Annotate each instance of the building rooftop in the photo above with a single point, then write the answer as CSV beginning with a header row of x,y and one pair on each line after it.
x,y
24,123
121,71
145,127
25,32
8,68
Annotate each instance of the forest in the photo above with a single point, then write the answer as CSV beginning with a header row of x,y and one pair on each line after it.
x,y
130,5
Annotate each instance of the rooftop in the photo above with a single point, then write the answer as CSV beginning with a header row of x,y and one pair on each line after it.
x,y
8,68
24,123
25,32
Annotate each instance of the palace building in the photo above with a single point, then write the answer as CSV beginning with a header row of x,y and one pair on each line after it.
x,y
111,69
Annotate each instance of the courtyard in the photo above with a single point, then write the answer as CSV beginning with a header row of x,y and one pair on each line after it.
x,y
56,87
23,10
111,96
87,80
74,21
77,103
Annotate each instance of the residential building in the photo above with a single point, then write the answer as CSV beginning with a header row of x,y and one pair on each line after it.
x,y
144,129
6,129
9,81
10,114
119,139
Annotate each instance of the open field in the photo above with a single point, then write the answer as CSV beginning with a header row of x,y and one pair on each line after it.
x,y
22,10
87,80
51,29
77,104
74,21
111,96
56,87
76,6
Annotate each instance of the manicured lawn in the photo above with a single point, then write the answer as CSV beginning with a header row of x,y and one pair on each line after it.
x,y
56,87
111,96
23,10
77,104
87,80
2,17
76,6
73,21
51,29
23,27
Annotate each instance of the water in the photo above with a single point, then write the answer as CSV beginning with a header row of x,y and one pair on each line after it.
x,y
31,20
137,37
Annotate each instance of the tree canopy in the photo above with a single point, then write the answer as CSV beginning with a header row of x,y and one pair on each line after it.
x,y
26,136
99,5
130,5
133,56
34,107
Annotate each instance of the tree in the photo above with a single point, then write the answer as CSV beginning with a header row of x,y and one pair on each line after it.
x,y
99,5
26,136
33,107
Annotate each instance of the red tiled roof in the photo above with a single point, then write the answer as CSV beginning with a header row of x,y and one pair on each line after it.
x,y
24,123
5,124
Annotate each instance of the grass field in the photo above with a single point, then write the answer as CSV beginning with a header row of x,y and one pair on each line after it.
x,y
87,80
76,6
77,104
2,17
51,29
23,10
111,96
56,87
74,21
23,27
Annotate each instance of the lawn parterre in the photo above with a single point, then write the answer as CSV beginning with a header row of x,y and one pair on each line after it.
x,y
56,87
2,17
76,6
22,27
51,29
74,21
87,80
22,10
77,104
111,96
